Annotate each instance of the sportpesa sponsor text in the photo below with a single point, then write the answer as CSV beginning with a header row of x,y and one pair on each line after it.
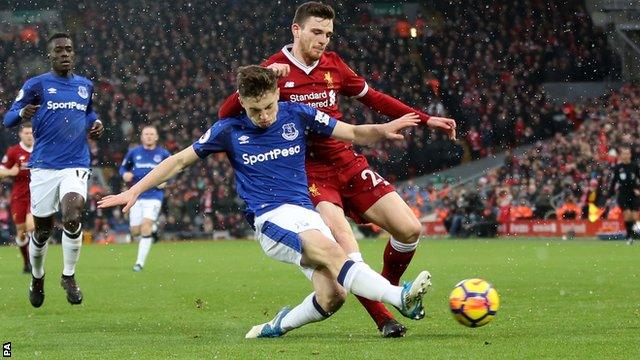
x,y
71,105
270,155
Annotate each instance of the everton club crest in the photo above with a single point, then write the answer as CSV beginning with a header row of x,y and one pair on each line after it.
x,y
289,131
82,91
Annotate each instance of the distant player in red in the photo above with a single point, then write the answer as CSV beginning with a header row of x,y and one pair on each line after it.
x,y
340,180
14,164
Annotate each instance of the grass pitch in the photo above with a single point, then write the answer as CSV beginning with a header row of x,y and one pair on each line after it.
x,y
559,299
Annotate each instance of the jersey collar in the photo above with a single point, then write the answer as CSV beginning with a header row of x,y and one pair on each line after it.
x,y
25,148
286,50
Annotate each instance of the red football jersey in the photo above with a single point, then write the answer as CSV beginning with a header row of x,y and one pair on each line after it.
x,y
18,154
318,86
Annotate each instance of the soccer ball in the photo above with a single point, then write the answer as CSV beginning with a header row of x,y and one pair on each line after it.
x,y
474,302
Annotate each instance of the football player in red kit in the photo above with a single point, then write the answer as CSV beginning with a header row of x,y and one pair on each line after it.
x,y
340,180
14,164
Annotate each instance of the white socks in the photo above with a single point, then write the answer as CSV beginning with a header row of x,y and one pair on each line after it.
x,y
37,254
359,279
308,311
402,247
71,243
143,249
355,256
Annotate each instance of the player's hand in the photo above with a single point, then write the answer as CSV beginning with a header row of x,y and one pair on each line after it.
x,y
126,198
127,177
28,111
391,129
636,191
443,124
14,170
96,130
281,70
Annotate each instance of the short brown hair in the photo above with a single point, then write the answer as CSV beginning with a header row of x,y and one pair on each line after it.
x,y
26,125
313,8
255,81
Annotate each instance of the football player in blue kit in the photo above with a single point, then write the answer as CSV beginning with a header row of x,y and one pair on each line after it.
x,y
59,105
138,162
266,147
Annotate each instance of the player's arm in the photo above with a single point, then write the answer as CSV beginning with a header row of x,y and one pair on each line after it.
x,y
24,106
371,134
392,107
95,126
8,166
356,86
125,168
321,123
167,169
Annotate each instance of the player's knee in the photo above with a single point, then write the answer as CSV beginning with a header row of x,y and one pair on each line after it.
x,y
410,232
146,229
42,235
71,223
332,299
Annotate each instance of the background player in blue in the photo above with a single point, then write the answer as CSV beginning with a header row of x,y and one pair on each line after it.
x,y
138,162
266,147
59,105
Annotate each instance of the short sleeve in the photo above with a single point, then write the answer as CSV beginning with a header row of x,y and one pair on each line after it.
x,y
353,85
8,160
213,141
28,94
314,120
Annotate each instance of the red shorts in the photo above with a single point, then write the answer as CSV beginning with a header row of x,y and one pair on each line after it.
x,y
20,207
354,188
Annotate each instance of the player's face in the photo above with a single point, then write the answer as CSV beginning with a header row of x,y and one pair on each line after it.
x,y
149,137
26,136
262,110
625,156
312,36
61,54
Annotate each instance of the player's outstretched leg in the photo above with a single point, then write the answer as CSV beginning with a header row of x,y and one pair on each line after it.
x,y
334,217
327,298
359,279
387,324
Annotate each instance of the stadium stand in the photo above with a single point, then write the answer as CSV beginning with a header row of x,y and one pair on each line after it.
x,y
171,65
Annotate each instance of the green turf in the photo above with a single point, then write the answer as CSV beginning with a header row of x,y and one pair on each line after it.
x,y
571,299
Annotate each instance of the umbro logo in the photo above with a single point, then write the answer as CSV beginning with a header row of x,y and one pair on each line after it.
x,y
244,139
52,90
289,84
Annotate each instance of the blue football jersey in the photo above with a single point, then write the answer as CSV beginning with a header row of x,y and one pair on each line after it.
x,y
61,123
140,162
268,163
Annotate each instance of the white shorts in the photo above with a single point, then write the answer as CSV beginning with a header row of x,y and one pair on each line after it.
x,y
277,232
49,186
144,209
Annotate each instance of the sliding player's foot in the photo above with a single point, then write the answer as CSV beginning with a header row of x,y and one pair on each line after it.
x,y
271,329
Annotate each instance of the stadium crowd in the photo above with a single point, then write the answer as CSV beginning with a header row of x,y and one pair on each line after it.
x,y
170,65
557,178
